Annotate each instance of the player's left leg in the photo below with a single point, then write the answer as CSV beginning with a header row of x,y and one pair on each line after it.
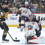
x,y
5,27
22,22
19,22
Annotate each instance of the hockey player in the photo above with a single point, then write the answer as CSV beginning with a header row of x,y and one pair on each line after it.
x,y
38,22
25,12
3,15
31,26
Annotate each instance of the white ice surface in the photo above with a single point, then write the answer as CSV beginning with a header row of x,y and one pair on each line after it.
x,y
16,33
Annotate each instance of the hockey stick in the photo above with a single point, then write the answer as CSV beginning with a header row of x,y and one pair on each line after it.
x,y
10,35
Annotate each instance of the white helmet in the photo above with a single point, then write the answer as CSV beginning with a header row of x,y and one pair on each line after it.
x,y
26,2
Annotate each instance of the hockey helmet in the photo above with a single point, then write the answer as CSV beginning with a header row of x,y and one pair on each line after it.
x,y
26,2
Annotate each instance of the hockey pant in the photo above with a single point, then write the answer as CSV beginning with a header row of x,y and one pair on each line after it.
x,y
3,26
23,20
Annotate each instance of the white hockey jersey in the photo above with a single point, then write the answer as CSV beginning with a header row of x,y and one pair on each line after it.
x,y
25,11
30,28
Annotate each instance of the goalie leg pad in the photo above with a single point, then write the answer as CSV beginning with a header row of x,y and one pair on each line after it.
x,y
31,38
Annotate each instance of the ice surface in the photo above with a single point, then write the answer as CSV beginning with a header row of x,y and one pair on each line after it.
x,y
17,33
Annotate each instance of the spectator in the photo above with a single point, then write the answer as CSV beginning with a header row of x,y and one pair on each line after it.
x,y
32,1
20,4
32,8
23,2
38,8
9,4
42,9
35,5
17,4
10,11
29,1
13,8
43,1
0,1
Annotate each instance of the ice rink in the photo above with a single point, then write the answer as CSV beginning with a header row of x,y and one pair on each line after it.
x,y
15,32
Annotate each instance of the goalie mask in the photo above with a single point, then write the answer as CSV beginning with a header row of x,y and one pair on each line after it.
x,y
31,17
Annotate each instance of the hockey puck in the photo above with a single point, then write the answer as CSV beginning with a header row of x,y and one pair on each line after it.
x,y
16,38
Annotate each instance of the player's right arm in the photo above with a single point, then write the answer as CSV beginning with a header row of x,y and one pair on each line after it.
x,y
18,11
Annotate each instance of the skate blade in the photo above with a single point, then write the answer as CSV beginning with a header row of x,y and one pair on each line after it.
x,y
5,41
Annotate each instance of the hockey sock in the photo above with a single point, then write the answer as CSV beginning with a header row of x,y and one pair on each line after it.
x,y
4,35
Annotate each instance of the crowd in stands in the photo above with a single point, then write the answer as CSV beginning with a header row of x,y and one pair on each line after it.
x,y
37,6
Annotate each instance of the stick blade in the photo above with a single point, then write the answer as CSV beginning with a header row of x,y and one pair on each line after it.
x,y
16,40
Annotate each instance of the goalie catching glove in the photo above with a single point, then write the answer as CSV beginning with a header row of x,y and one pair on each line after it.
x,y
30,33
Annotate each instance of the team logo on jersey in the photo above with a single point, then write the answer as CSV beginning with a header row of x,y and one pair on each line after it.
x,y
30,27
24,11
2,13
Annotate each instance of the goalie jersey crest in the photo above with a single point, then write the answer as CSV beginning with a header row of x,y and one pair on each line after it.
x,y
30,27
